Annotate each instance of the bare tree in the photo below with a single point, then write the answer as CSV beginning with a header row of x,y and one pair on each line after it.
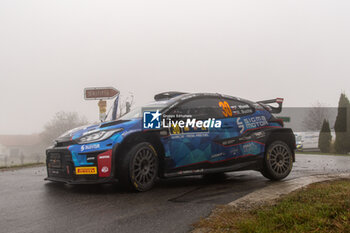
x,y
61,122
315,116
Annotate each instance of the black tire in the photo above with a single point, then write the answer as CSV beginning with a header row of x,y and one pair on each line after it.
x,y
137,168
278,161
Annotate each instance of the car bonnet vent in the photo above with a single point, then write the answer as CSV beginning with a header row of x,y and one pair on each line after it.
x,y
103,125
167,95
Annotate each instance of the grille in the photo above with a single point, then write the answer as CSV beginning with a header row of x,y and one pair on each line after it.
x,y
59,164
55,160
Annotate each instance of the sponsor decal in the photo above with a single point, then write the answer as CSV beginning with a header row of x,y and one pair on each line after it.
x,y
104,169
228,142
217,155
190,171
251,123
104,162
85,170
89,147
189,135
246,111
246,138
259,134
234,151
245,106
151,120
250,148
192,123
241,109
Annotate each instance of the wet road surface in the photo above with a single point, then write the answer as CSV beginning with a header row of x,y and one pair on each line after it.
x,y
29,204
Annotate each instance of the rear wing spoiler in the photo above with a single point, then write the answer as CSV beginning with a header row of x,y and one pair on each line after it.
x,y
267,104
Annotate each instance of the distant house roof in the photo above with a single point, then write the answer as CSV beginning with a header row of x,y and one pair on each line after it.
x,y
19,140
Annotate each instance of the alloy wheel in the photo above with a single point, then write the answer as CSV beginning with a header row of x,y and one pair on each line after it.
x,y
144,166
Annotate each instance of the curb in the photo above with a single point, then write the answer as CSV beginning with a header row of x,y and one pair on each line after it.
x,y
277,189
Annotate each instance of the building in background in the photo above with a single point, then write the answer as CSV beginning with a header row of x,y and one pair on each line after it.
x,y
20,149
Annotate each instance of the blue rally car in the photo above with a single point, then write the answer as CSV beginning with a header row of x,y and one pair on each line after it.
x,y
177,134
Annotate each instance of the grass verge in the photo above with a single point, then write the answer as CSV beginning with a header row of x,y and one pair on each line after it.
x,y
320,207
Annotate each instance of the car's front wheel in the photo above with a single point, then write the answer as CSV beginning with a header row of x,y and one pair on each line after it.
x,y
138,168
278,161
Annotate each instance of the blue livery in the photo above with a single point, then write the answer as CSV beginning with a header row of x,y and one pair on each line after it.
x,y
177,134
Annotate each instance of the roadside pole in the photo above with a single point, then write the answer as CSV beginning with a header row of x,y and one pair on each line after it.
x,y
102,105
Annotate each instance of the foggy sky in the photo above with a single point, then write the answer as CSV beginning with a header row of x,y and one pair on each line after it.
x,y
51,50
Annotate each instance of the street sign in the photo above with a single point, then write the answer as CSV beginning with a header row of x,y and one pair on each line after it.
x,y
100,93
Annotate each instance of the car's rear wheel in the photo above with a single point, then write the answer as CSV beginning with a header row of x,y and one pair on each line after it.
x,y
278,161
138,168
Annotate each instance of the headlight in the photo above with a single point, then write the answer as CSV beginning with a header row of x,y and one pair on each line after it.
x,y
97,136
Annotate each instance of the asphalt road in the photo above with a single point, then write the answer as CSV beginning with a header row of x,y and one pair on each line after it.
x,y
29,204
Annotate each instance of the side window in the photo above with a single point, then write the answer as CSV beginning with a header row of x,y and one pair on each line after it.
x,y
234,108
199,108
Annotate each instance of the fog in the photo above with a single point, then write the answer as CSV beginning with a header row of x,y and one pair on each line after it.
x,y
51,50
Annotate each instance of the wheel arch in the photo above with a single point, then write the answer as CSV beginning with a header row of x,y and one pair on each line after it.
x,y
151,137
281,134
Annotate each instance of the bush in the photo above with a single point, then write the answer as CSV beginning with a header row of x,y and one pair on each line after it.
x,y
325,138
342,125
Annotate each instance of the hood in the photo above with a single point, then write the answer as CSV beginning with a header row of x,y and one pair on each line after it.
x,y
83,130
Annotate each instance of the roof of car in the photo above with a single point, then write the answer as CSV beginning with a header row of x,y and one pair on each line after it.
x,y
183,96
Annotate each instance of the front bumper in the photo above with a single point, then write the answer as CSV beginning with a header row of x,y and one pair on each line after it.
x,y
81,181
61,167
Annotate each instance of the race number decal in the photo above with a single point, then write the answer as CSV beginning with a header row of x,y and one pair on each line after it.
x,y
226,109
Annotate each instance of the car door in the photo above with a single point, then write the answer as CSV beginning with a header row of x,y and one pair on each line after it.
x,y
192,147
